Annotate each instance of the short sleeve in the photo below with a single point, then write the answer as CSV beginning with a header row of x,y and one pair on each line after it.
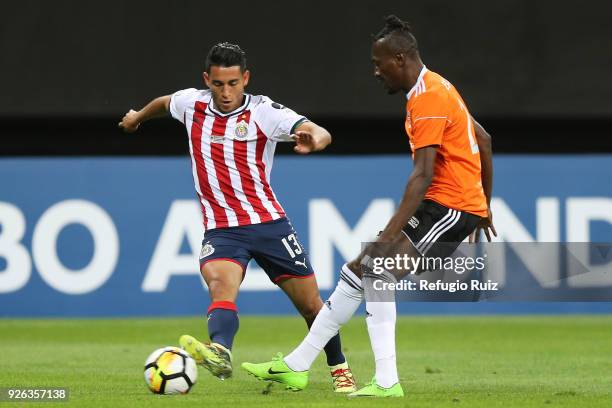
x,y
276,121
179,101
429,117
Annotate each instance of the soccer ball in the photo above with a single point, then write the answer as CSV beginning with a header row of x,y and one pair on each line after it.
x,y
170,370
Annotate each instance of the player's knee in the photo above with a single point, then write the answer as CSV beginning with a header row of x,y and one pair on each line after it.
x,y
215,286
220,288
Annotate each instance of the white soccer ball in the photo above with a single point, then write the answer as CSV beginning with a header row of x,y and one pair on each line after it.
x,y
170,370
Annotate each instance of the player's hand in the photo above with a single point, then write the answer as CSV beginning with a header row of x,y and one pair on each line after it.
x,y
486,225
130,122
304,142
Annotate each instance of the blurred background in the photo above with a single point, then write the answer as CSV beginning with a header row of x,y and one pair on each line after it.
x,y
94,222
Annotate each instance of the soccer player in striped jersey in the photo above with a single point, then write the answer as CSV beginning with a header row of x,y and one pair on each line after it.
x,y
446,200
232,137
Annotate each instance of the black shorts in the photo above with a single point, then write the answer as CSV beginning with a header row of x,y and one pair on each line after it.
x,y
437,231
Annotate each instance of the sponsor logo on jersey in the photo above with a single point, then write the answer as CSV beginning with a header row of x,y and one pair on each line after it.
x,y
216,139
207,250
242,130
414,222
277,106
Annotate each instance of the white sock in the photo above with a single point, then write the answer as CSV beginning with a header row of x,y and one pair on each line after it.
x,y
381,327
380,318
336,311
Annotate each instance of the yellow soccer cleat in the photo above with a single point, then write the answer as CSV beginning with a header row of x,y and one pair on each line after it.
x,y
212,356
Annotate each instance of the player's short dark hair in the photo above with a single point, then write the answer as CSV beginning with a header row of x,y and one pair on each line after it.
x,y
399,34
225,55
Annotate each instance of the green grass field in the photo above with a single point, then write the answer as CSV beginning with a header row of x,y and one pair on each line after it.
x,y
443,362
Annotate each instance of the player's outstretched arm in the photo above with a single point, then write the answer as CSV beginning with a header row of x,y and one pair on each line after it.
x,y
156,108
419,182
310,137
486,168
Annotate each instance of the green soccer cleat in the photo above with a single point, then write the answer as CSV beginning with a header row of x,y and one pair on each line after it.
x,y
212,356
374,390
276,370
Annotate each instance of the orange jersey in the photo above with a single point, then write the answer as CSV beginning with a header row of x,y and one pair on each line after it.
x,y
437,115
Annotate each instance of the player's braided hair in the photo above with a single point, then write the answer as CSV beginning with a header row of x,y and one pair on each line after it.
x,y
399,34
226,55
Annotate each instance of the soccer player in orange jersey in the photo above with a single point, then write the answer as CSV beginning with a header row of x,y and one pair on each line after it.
x,y
446,200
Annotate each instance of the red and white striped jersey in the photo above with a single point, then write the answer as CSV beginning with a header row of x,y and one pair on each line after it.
x,y
232,154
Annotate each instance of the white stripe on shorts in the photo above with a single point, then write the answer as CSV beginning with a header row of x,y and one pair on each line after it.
x,y
441,231
433,229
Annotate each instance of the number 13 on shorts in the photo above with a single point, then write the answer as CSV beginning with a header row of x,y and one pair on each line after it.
x,y
292,245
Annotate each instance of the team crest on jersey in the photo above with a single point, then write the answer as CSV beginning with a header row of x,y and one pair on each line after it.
x,y
242,130
207,250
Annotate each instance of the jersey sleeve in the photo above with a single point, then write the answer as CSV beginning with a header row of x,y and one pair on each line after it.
x,y
278,122
179,101
429,118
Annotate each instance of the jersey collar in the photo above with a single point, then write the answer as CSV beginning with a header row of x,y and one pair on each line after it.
x,y
237,111
414,87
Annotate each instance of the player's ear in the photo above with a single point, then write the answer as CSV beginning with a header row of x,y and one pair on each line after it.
x,y
246,75
400,59
206,78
